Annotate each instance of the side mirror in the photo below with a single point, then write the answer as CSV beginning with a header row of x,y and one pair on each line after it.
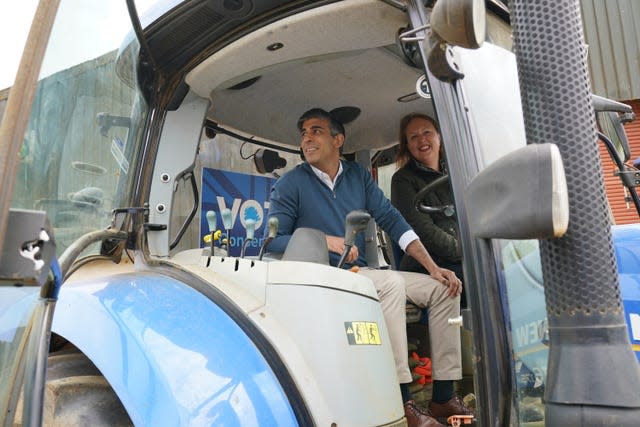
x,y
454,23
522,195
460,22
610,116
610,125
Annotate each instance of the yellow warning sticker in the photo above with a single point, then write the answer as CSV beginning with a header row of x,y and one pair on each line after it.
x,y
362,333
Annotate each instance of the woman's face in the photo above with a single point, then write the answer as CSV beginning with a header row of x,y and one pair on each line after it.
x,y
423,142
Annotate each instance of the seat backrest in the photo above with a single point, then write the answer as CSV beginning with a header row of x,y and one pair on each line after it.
x,y
397,253
376,247
390,251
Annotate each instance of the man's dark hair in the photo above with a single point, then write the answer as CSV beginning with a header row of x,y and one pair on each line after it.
x,y
318,113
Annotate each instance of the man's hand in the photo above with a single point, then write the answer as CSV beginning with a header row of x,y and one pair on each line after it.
x,y
449,279
336,244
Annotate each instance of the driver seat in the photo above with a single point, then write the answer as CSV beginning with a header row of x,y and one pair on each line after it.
x,y
307,244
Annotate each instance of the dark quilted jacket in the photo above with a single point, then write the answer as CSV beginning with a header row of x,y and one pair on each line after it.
x,y
437,232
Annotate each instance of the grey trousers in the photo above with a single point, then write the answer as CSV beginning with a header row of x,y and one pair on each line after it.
x,y
394,289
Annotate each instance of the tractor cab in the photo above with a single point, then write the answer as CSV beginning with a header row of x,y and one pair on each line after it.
x,y
152,148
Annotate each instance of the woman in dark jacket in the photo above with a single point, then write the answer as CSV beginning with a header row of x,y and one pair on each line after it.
x,y
420,161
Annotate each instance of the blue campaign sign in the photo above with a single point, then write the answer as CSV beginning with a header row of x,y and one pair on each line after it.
x,y
247,196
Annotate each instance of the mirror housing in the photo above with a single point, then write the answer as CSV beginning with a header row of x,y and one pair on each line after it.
x,y
460,22
522,195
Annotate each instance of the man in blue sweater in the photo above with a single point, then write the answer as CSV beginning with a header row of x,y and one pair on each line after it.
x,y
319,194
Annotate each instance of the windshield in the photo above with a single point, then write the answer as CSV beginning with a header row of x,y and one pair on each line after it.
x,y
500,130
85,123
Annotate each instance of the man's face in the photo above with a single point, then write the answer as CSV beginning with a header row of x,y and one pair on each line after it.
x,y
318,146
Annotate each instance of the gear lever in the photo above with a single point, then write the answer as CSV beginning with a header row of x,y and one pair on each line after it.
x,y
356,222
250,225
273,231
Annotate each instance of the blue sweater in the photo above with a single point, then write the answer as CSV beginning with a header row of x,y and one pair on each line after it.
x,y
300,199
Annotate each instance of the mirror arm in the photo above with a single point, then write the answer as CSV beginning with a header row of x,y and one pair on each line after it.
x,y
601,104
612,150
627,117
630,178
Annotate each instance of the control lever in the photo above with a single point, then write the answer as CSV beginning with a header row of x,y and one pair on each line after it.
x,y
273,231
226,223
250,226
356,222
212,222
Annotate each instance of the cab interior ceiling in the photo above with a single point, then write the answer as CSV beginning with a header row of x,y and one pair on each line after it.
x,y
343,54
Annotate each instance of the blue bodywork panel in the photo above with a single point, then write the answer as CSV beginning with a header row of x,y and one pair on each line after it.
x,y
626,240
171,354
524,292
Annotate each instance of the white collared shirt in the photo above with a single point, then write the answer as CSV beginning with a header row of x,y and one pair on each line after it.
x,y
406,238
324,177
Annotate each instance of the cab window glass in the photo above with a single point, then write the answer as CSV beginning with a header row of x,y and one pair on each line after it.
x,y
79,148
527,317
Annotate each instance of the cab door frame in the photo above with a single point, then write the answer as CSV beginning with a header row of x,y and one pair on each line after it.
x,y
30,359
494,381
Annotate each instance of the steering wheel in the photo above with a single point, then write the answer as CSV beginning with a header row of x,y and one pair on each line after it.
x,y
447,210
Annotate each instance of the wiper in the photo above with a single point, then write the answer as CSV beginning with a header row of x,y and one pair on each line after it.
x,y
137,29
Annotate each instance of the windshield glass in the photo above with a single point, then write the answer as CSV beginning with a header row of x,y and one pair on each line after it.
x,y
522,274
17,307
492,90
86,121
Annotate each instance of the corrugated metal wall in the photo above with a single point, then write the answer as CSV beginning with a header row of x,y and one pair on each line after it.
x,y
612,31
623,213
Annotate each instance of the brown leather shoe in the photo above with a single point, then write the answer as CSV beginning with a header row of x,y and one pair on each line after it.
x,y
453,406
416,417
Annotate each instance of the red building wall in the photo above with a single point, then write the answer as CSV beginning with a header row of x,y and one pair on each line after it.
x,y
622,213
